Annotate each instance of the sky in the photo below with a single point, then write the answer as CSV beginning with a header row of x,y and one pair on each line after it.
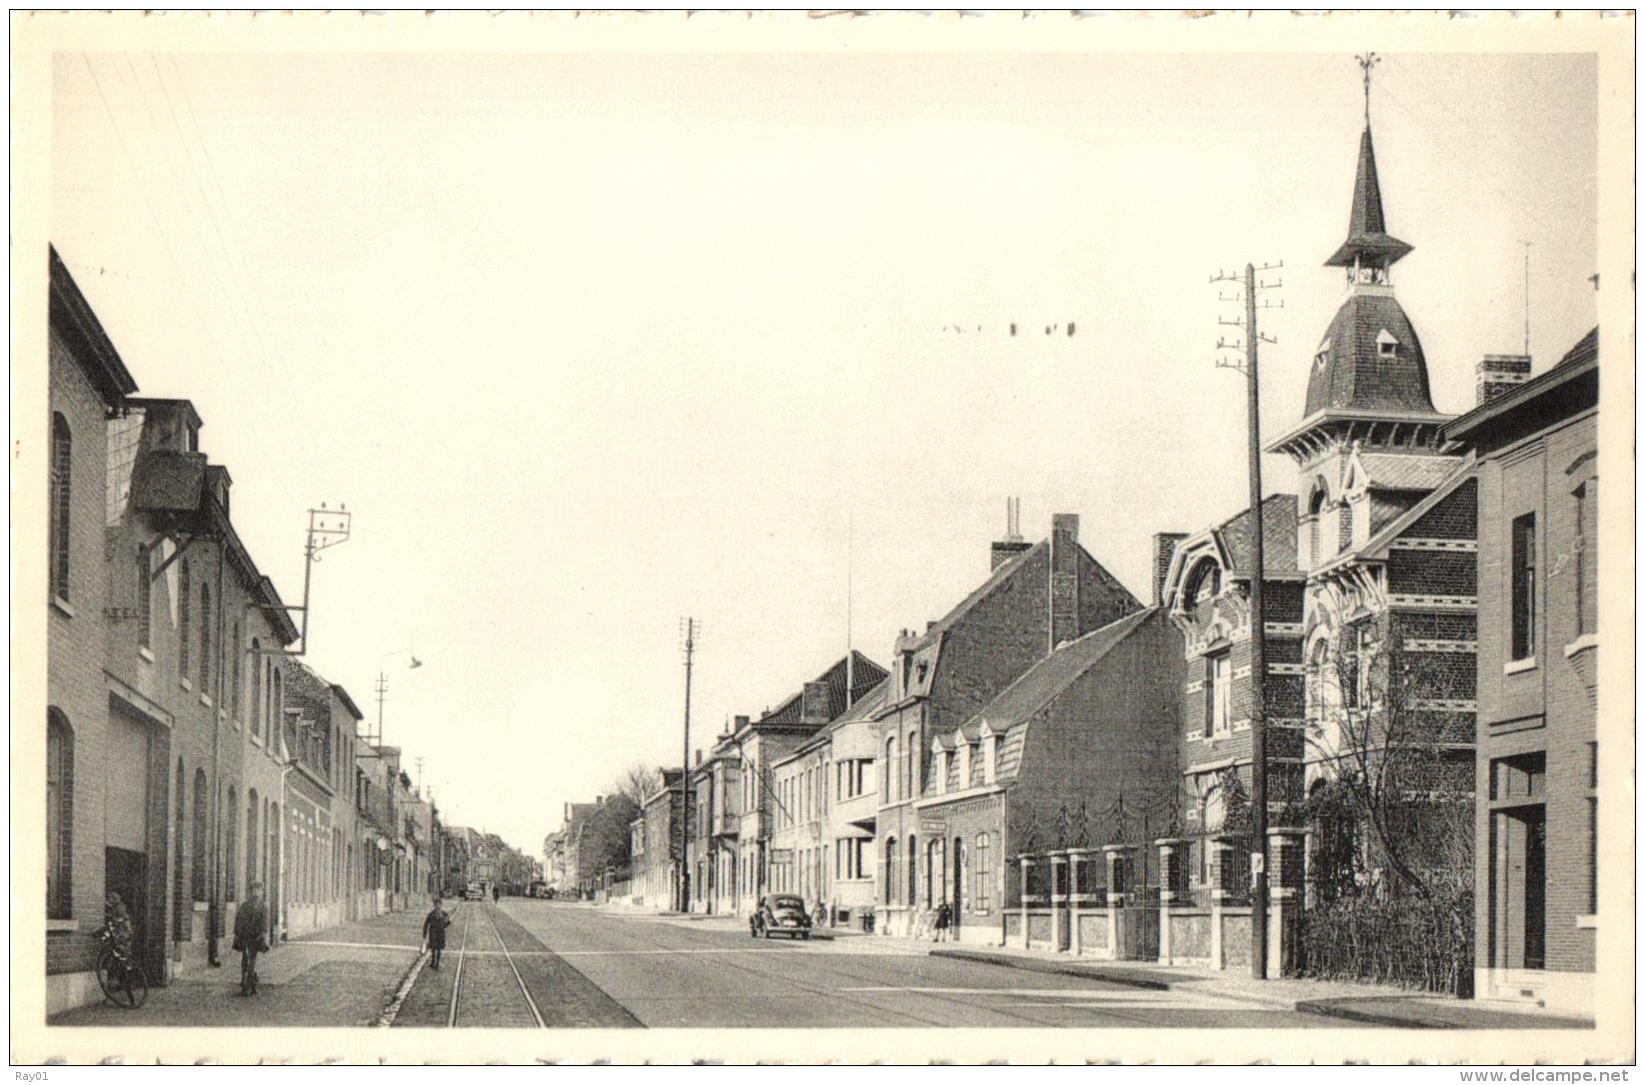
x,y
590,343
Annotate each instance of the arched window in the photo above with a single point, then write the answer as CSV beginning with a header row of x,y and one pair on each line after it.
x,y
205,637
256,720
890,878
197,846
1204,584
59,816
62,459
234,675
888,777
179,932
913,869
231,839
982,875
1316,512
145,599
251,838
183,604
276,706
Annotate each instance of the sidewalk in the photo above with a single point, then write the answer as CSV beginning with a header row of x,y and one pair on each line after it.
x,y
340,976
1391,1007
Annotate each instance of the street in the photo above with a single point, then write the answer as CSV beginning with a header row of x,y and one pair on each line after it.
x,y
526,963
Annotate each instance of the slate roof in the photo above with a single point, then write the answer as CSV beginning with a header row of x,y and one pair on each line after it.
x,y
1279,536
1368,236
981,592
1392,471
1355,375
1586,350
1571,385
71,314
1042,682
166,481
864,707
865,674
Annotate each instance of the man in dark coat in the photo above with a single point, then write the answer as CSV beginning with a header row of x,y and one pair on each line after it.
x,y
434,931
250,927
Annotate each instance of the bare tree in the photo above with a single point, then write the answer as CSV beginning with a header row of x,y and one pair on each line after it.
x,y
1395,760
638,782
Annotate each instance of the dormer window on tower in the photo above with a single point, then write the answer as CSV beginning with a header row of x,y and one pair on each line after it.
x,y
1387,345
1323,355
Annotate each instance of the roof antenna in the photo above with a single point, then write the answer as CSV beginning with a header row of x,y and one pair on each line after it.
x,y
1527,245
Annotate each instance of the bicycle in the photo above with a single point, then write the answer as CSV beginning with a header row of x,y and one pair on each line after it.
x,y
118,974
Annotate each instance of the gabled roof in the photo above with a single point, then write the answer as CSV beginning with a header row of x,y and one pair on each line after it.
x,y
982,591
1375,547
1368,237
1571,385
70,313
864,707
1279,536
1396,471
865,675
1042,682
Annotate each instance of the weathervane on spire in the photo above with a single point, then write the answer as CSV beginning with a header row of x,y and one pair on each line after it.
x,y
1367,61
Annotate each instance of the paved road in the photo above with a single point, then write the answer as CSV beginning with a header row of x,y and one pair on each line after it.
x,y
585,967
529,963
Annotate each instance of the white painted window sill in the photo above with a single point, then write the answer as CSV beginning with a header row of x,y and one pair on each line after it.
x,y
205,699
62,606
202,906
144,653
62,926
1587,922
1582,644
186,684
1519,666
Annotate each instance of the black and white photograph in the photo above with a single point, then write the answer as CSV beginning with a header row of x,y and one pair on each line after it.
x,y
823,538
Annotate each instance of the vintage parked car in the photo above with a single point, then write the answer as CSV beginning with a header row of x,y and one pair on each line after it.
x,y
782,913
475,891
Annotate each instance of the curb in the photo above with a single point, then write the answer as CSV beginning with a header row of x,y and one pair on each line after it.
x,y
1336,1008
1029,964
392,1010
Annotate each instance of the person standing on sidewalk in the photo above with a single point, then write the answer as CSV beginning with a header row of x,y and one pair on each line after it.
x,y
250,923
496,893
941,923
434,932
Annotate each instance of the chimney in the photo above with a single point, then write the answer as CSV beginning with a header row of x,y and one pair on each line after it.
x,y
739,722
699,759
1165,545
218,481
1065,579
814,703
1012,543
1499,373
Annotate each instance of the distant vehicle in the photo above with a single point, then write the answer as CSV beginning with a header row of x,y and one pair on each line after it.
x,y
537,889
782,913
475,891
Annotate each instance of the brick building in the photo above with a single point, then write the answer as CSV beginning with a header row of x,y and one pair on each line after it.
x,y
1535,444
654,844
1036,598
756,746
99,768
711,850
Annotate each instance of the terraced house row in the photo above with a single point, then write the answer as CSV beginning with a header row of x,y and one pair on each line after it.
x,y
190,750
1067,764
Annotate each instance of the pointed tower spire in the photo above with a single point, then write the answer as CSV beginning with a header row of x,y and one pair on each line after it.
x,y
1369,247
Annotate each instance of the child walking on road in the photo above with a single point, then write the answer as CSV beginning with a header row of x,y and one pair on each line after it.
x,y
434,931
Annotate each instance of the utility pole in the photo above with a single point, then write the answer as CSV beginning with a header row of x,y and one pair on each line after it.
x,y
1527,245
691,627
1259,667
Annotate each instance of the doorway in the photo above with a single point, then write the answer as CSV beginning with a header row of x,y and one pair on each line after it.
x,y
1520,888
957,905
126,872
